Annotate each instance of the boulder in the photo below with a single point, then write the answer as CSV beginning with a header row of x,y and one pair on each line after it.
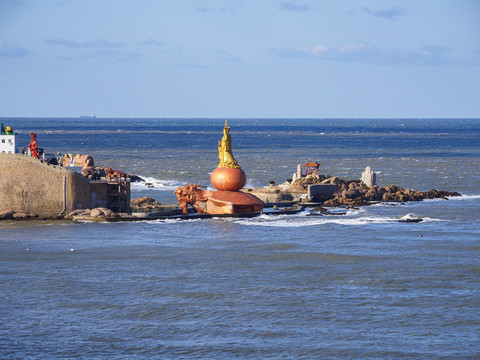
x,y
97,213
21,216
372,194
84,161
331,181
79,212
102,212
6,214
123,215
136,178
143,202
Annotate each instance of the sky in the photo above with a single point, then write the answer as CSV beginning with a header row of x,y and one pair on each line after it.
x,y
240,58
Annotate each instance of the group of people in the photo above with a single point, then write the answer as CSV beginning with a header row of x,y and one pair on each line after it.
x,y
7,130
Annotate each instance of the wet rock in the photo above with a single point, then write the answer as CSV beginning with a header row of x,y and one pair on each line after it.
x,y
356,193
136,178
6,214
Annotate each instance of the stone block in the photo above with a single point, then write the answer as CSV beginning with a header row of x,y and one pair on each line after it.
x,y
369,177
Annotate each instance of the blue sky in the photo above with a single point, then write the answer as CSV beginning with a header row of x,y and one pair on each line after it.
x,y
234,59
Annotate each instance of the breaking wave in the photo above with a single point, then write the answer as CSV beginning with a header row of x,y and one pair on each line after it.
x,y
349,219
156,184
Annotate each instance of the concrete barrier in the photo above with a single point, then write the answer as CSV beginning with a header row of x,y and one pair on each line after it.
x,y
30,186
321,192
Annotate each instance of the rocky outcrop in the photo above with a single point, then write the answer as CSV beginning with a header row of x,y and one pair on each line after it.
x,y
6,214
145,203
136,178
356,193
97,214
21,215
301,185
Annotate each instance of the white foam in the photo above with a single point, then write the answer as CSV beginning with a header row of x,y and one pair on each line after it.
x,y
464,197
166,185
302,220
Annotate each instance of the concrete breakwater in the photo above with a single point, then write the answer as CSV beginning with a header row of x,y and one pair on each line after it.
x,y
32,189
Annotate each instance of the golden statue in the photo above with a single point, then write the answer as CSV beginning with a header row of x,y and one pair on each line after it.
x,y
225,150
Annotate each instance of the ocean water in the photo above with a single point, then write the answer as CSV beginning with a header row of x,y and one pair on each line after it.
x,y
359,285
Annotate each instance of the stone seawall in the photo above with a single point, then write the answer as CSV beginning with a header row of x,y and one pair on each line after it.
x,y
29,186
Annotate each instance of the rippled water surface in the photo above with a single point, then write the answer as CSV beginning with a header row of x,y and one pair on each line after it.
x,y
359,285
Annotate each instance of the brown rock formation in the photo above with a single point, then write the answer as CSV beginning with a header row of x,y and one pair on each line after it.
x,y
356,193
145,203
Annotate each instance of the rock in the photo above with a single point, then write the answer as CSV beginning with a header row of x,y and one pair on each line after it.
x,y
79,212
351,193
331,180
136,178
301,184
143,202
373,194
21,216
6,214
84,161
97,213
124,215
102,212
109,213
88,171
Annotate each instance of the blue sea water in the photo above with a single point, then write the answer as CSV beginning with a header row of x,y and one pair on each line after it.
x,y
360,285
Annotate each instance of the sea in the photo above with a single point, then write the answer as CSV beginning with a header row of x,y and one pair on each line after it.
x,y
358,284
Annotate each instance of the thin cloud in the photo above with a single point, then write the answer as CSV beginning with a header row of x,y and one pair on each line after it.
x,y
387,13
363,52
191,66
212,10
228,57
8,50
95,44
293,6
120,56
152,42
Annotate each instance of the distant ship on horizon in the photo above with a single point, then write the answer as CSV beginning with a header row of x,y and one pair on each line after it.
x,y
91,116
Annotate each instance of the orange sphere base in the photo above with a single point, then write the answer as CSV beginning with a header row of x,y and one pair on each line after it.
x,y
227,179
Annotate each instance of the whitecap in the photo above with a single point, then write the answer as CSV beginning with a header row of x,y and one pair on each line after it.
x,y
464,197
150,182
301,220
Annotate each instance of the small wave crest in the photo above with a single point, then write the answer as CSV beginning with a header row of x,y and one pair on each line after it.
x,y
153,183
302,220
464,197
